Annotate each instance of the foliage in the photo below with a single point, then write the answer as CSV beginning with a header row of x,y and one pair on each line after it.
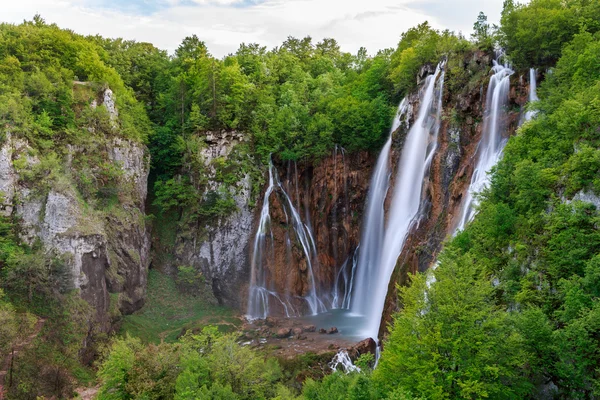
x,y
204,365
189,278
39,67
8,325
534,34
419,46
168,312
451,340
483,33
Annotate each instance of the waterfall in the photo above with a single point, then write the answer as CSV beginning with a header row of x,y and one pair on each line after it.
x,y
492,143
532,93
416,157
261,292
342,359
344,283
373,221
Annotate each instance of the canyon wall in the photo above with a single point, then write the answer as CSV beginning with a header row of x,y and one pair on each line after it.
x,y
329,197
105,250
218,247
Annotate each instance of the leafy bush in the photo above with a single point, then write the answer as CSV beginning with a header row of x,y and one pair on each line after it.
x,y
204,365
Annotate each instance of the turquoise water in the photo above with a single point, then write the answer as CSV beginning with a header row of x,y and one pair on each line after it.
x,y
349,325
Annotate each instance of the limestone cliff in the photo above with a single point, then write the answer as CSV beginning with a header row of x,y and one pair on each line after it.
x,y
106,249
217,246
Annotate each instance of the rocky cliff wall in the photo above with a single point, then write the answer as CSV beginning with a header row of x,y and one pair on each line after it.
x,y
218,246
328,196
106,249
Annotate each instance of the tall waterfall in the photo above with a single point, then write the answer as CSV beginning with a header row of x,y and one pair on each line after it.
x,y
417,154
492,143
261,292
374,221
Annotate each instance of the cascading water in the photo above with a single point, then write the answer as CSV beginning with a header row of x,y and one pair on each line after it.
x,y
344,283
374,221
418,151
342,360
261,291
492,142
532,93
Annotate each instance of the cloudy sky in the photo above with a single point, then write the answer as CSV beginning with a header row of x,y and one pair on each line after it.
x,y
224,24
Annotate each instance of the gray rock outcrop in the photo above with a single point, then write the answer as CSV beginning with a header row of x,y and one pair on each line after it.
x,y
106,252
219,248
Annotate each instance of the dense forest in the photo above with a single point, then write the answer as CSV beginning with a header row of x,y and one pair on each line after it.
x,y
514,310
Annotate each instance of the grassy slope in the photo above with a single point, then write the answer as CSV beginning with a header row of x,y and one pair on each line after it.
x,y
168,311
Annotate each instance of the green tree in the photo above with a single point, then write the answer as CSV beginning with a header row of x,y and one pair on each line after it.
x,y
483,33
450,340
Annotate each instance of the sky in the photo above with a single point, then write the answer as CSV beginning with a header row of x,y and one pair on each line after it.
x,y
224,24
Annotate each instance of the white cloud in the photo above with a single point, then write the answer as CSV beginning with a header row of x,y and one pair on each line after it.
x,y
224,24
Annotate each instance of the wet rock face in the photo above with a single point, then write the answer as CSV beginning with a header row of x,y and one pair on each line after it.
x,y
105,252
329,196
219,247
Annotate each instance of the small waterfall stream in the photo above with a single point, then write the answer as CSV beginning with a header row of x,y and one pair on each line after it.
x,y
261,291
532,92
344,283
492,141
343,361
416,157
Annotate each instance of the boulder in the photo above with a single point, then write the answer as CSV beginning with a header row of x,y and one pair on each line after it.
x,y
283,333
333,330
297,331
309,328
322,330
363,347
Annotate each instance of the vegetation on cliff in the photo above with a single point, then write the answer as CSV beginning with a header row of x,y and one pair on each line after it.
x,y
56,120
514,309
527,322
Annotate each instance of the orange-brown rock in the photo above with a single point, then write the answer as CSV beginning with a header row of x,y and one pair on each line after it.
x,y
329,195
362,347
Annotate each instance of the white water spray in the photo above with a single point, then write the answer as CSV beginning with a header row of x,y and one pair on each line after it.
x,y
492,141
416,157
261,292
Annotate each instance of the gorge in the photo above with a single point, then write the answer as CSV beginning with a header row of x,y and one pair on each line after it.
x,y
394,209
301,221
